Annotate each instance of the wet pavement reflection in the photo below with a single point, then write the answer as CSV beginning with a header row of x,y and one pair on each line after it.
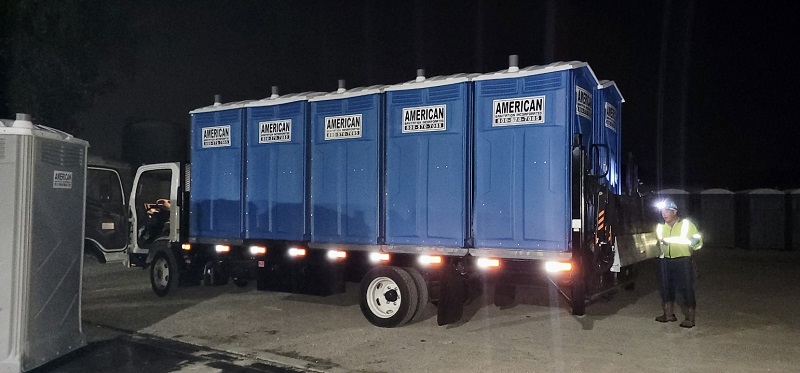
x,y
120,352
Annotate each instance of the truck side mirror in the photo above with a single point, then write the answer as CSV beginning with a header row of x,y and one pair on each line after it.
x,y
600,156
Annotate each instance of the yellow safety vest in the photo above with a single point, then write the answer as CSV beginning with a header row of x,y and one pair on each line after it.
x,y
678,240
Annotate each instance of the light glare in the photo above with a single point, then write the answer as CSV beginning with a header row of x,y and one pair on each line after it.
x,y
430,259
294,252
553,267
378,257
488,263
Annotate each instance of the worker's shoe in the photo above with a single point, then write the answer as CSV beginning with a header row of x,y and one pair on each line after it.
x,y
689,322
668,314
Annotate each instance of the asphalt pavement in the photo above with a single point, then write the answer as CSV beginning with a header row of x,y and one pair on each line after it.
x,y
745,323
121,351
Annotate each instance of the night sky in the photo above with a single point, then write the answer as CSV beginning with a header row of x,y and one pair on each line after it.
x,y
728,82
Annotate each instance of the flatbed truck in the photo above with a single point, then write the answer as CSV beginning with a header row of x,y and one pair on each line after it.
x,y
421,191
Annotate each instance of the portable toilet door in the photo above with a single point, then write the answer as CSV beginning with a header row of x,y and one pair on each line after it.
x,y
717,216
216,186
525,120
761,219
277,189
347,166
429,161
608,133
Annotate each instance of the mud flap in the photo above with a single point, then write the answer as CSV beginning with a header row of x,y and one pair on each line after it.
x,y
452,295
616,266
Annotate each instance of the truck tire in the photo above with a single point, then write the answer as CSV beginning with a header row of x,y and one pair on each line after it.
x,y
240,277
164,272
213,275
388,296
422,292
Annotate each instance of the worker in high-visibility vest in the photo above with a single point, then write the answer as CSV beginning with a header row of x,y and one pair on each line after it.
x,y
677,238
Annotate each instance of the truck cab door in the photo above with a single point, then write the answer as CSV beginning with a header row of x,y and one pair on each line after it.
x,y
106,228
154,208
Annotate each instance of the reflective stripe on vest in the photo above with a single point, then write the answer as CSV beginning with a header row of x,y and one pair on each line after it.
x,y
682,239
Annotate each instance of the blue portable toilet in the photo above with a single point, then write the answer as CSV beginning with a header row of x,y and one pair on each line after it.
x,y
717,217
277,191
347,166
608,132
428,161
761,219
216,188
525,122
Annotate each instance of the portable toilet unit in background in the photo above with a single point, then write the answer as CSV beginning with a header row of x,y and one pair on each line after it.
x,y
525,122
347,166
793,214
216,153
717,217
43,183
277,152
607,123
761,219
428,161
683,199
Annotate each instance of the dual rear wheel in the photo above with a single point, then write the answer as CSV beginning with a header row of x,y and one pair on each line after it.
x,y
392,296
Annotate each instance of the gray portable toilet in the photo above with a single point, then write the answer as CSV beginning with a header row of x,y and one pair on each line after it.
x,y
761,219
43,179
682,198
793,214
717,215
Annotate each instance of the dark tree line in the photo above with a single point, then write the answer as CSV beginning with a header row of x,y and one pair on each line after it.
x,y
56,57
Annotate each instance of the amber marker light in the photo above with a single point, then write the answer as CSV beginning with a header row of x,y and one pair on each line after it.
x,y
430,259
295,252
378,257
555,267
258,250
486,263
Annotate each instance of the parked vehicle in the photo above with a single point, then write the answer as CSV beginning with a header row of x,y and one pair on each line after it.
x,y
422,191
106,228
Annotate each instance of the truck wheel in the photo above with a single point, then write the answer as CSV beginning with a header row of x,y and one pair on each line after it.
x,y
163,273
213,275
240,282
388,296
240,276
422,291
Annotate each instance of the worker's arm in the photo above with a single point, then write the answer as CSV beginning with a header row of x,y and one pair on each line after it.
x,y
695,237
